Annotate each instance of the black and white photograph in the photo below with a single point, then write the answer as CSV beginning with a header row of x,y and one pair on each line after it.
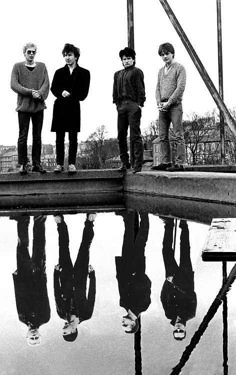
x,y
117,187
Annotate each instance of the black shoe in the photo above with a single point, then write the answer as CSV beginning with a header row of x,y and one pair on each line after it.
x,y
167,220
183,224
38,168
176,168
124,167
23,169
161,167
137,169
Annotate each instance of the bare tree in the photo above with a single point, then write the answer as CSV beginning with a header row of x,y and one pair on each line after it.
x,y
197,134
98,149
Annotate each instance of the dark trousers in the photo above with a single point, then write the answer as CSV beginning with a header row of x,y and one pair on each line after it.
x,y
135,239
129,115
37,123
26,264
183,273
76,276
60,146
82,260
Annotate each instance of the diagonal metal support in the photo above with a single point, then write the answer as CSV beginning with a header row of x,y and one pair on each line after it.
x,y
200,67
205,322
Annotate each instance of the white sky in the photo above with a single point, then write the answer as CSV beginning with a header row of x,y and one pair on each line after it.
x,y
99,28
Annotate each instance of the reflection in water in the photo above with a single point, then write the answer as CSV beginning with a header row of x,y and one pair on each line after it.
x,y
101,347
204,324
30,279
177,296
70,282
134,285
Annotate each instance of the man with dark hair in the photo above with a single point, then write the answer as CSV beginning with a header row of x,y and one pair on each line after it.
x,y
70,85
169,92
133,283
73,303
29,79
129,97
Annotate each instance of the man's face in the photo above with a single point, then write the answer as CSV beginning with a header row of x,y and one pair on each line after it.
x,y
167,57
127,61
70,58
127,324
30,55
69,328
179,331
33,337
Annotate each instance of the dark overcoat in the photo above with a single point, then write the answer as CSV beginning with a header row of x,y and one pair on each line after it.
x,y
66,111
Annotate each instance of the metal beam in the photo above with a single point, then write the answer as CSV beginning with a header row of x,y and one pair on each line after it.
x,y
220,73
130,21
200,67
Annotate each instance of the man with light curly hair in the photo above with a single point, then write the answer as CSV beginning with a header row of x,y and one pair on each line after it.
x,y
29,79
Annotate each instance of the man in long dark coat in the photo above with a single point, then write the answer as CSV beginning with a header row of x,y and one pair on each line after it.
x,y
74,301
70,85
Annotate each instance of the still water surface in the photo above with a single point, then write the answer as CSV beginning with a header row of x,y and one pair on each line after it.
x,y
102,346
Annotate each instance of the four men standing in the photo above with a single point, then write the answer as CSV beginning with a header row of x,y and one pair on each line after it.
x,y
70,85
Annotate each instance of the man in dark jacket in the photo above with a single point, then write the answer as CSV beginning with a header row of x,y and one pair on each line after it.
x,y
30,280
73,303
177,296
129,97
70,85
134,285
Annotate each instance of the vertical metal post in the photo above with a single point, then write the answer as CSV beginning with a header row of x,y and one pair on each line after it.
x,y
130,19
138,350
220,72
225,322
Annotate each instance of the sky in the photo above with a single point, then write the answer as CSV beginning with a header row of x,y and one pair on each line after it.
x,y
99,29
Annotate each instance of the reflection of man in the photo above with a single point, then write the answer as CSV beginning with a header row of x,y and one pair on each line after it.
x,y
73,304
134,285
30,279
30,81
177,296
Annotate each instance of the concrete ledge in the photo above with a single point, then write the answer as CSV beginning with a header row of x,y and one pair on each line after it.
x,y
187,209
190,195
85,189
197,186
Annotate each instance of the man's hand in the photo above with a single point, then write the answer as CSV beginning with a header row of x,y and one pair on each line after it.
x,y
162,106
36,94
65,94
